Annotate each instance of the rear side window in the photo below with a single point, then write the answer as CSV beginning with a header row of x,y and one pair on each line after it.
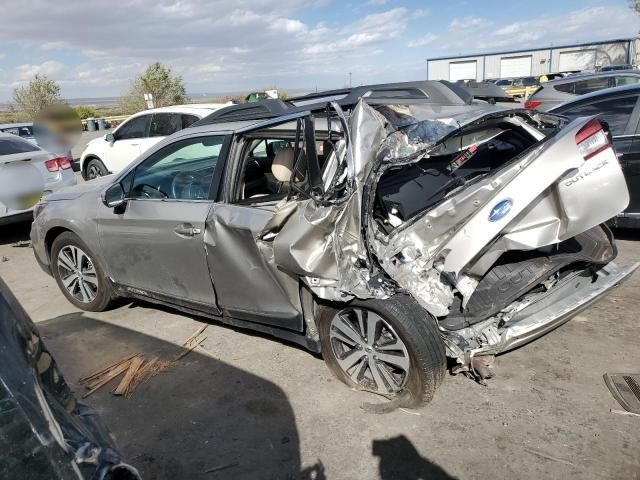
x,y
9,146
591,85
626,80
134,128
164,124
565,87
188,120
615,111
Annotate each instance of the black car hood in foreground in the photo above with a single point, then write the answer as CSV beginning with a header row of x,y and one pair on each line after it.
x,y
44,432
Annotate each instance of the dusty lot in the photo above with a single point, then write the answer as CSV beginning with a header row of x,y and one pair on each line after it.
x,y
270,410
273,411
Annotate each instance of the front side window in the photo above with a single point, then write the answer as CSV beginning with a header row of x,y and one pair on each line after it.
x,y
616,112
164,124
134,128
182,170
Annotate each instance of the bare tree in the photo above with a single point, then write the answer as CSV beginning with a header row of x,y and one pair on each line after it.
x,y
157,80
635,5
38,94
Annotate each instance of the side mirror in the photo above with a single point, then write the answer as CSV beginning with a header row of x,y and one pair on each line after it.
x,y
113,196
110,138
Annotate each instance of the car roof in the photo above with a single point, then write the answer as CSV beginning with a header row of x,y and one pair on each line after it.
x,y
577,78
428,91
202,109
605,92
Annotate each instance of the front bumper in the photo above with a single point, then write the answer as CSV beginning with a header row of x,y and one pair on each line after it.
x,y
575,296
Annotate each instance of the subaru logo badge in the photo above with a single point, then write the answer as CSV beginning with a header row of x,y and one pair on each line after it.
x,y
500,210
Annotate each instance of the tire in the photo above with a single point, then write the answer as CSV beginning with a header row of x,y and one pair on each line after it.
x,y
408,322
95,168
90,290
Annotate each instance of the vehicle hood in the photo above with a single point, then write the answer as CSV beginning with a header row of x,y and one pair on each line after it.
x,y
76,191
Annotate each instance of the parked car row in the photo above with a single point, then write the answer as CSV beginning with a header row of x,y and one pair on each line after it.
x,y
386,226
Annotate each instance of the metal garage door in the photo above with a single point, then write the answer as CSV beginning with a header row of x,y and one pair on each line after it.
x,y
515,66
577,60
462,71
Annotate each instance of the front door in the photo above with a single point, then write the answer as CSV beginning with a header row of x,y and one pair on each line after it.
x,y
156,245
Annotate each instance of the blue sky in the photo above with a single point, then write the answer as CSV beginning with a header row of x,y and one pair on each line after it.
x,y
95,49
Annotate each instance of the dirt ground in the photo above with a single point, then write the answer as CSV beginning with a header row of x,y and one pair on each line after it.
x,y
264,409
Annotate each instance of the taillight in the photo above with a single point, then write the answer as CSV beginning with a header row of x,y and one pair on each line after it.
x,y
531,104
58,163
592,139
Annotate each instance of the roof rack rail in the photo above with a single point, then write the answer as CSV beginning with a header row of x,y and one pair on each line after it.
x,y
427,91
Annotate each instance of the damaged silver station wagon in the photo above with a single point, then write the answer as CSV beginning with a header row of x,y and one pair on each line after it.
x,y
388,227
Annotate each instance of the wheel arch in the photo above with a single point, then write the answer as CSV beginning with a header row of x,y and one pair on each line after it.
x,y
51,236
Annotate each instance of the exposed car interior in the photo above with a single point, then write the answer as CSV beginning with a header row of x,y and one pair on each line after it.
x,y
404,192
268,164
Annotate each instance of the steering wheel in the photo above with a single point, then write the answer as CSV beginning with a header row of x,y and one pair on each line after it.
x,y
149,191
185,185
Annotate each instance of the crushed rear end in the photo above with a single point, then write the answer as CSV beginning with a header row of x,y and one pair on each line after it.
x,y
496,228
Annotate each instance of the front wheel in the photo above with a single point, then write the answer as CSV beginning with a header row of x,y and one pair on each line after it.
x,y
78,275
390,347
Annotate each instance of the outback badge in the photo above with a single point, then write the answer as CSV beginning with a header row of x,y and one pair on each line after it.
x,y
500,210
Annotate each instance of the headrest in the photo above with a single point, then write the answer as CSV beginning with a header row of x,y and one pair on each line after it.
x,y
283,165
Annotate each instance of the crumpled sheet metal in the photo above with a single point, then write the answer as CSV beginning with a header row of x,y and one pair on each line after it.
x,y
324,244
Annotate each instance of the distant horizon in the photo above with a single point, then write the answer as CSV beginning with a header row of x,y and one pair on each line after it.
x,y
242,47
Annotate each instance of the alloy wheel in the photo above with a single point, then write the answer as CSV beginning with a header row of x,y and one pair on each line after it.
x,y
369,351
77,273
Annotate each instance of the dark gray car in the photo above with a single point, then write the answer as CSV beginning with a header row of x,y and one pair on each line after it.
x,y
555,92
387,227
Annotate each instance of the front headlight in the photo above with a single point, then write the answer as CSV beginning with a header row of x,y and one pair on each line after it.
x,y
38,209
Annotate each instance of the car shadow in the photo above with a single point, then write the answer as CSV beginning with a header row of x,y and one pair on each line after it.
x,y
399,460
136,303
201,415
15,232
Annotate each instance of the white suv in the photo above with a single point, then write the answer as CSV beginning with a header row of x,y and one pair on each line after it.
x,y
114,151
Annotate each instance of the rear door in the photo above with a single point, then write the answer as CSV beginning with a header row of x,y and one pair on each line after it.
x,y
248,283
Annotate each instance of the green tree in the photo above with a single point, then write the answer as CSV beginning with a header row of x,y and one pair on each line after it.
x,y
635,5
38,94
85,112
166,88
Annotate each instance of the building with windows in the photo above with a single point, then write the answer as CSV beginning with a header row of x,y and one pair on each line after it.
x,y
533,62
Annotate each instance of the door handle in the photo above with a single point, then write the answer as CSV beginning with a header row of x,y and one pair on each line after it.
x,y
187,230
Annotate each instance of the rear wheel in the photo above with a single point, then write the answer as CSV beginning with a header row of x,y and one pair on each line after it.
x,y
389,347
95,169
78,275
